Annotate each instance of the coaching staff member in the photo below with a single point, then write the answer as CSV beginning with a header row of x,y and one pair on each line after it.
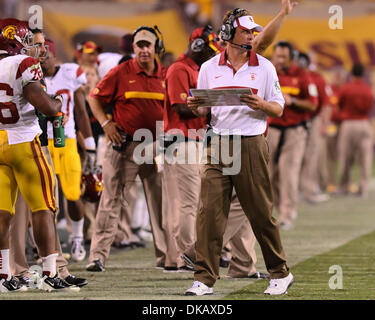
x,y
238,66
136,87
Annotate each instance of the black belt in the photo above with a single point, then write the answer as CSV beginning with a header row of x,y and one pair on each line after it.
x,y
303,124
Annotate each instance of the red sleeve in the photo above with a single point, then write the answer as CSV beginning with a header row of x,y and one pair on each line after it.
x,y
308,88
177,81
366,106
322,92
79,72
105,90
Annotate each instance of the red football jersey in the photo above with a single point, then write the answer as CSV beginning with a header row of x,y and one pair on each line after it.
x,y
297,83
355,100
323,99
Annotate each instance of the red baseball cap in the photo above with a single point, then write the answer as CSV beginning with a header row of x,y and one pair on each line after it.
x,y
211,40
90,47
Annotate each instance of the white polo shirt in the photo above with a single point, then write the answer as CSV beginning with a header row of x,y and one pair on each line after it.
x,y
259,74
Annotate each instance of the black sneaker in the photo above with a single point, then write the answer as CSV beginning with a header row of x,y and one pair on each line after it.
x,y
170,269
259,275
95,266
24,281
185,269
137,244
188,261
73,281
11,285
56,283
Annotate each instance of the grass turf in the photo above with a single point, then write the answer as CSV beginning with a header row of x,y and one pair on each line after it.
x,y
312,276
319,229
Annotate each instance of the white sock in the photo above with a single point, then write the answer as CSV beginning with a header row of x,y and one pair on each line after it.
x,y
4,264
77,228
49,265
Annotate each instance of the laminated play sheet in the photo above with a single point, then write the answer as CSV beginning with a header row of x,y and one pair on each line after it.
x,y
221,97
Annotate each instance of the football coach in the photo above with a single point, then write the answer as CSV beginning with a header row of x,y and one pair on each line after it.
x,y
238,67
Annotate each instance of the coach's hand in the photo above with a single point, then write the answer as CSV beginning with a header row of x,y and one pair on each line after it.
x,y
194,103
111,131
253,101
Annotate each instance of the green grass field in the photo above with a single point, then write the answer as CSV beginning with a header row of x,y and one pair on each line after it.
x,y
338,232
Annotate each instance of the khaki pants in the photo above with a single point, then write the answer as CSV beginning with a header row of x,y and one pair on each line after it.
x,y
119,175
355,142
124,232
253,188
18,234
181,188
309,177
182,184
286,171
241,239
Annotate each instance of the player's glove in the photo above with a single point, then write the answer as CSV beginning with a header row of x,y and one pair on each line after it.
x,y
89,164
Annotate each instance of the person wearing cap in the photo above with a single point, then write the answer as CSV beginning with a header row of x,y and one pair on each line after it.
x,y
87,53
181,180
287,135
136,89
238,66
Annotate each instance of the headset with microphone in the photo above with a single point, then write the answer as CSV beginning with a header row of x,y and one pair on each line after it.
x,y
228,30
159,44
198,44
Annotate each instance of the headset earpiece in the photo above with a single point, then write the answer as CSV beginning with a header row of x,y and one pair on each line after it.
x,y
227,30
198,44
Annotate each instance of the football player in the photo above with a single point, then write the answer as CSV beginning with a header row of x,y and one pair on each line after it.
x,y
23,165
19,224
67,80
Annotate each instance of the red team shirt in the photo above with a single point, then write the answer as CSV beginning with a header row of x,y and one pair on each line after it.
x,y
333,101
138,98
323,98
181,76
297,83
355,100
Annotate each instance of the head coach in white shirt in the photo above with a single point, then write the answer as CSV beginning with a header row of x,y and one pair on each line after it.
x,y
238,67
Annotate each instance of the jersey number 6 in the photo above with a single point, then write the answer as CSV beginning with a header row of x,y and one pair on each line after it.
x,y
8,110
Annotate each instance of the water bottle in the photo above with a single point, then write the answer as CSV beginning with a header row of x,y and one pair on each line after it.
x,y
58,131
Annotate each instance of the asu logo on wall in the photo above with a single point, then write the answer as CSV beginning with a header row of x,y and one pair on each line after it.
x,y
9,32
